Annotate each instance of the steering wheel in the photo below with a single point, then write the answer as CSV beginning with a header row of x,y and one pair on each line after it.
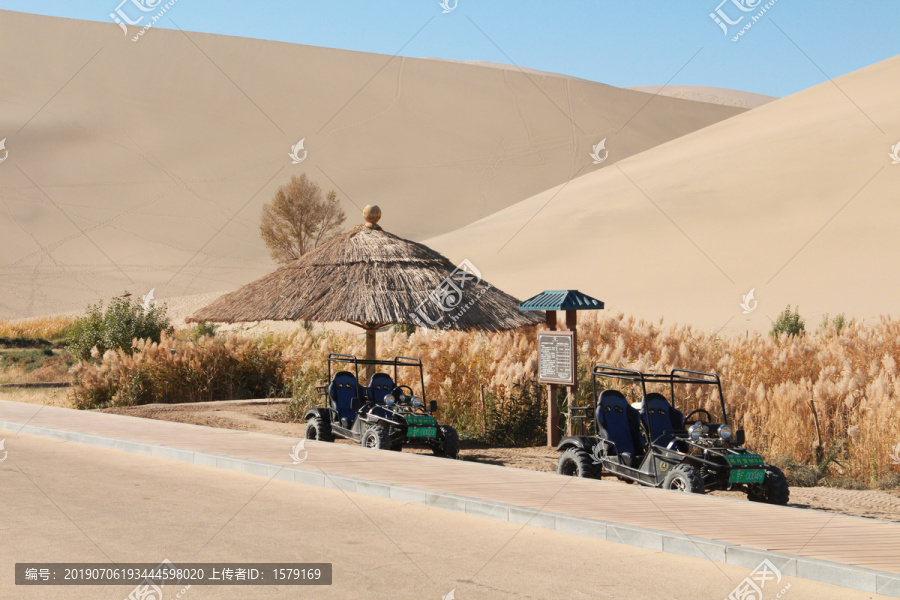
x,y
698,411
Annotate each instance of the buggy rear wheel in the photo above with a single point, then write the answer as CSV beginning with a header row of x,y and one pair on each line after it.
x,y
376,437
684,478
774,490
575,462
317,429
449,447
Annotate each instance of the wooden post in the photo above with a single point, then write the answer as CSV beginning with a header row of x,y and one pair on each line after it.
x,y
552,408
370,351
572,390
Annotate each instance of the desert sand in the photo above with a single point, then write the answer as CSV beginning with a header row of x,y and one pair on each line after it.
x,y
795,200
712,95
697,93
144,165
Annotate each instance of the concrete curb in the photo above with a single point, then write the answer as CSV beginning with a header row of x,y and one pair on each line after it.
x,y
848,576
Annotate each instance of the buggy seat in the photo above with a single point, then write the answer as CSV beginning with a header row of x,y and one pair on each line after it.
x,y
620,424
380,386
346,396
661,419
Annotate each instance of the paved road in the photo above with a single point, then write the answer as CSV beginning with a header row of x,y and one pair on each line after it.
x,y
65,502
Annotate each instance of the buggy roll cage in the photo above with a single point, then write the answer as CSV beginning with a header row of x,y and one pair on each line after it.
x,y
679,376
396,362
581,414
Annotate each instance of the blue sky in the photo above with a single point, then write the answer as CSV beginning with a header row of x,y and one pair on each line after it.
x,y
621,43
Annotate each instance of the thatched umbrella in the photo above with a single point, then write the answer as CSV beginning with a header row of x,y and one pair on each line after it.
x,y
371,278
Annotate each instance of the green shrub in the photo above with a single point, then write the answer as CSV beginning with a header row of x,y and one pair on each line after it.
x,y
890,481
519,420
838,322
28,360
789,322
24,342
798,474
849,483
116,328
203,329
303,396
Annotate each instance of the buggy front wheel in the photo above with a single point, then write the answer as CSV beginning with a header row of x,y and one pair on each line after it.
x,y
449,446
684,478
774,490
376,437
317,429
575,462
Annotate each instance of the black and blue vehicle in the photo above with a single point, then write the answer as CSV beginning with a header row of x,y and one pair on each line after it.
x,y
650,442
382,414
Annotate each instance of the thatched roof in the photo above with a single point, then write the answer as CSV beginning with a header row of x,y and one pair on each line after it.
x,y
370,277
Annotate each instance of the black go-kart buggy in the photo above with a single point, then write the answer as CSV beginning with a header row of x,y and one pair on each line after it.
x,y
382,415
651,443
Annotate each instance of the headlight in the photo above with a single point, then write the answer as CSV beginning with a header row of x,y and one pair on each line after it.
x,y
416,401
696,430
725,432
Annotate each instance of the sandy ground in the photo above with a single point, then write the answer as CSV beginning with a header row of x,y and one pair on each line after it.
x,y
144,509
254,415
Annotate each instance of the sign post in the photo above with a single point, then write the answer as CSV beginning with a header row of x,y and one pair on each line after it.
x,y
558,351
556,366
552,407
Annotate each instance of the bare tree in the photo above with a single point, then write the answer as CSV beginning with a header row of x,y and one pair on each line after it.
x,y
299,219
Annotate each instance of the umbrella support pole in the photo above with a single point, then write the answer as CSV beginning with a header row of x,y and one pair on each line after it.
x,y
370,352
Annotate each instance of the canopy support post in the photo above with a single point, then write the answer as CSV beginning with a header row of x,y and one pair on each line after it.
x,y
370,350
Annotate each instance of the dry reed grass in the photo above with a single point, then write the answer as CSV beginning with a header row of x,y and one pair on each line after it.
x,y
46,328
825,398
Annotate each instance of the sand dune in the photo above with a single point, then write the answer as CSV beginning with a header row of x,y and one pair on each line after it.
x,y
796,198
146,165
697,93
712,95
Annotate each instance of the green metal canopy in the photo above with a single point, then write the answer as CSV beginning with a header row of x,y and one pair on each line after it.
x,y
561,300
